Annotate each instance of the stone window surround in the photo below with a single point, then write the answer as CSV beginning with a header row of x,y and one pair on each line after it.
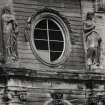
x,y
52,14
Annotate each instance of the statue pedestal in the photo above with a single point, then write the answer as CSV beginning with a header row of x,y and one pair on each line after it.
x,y
15,64
97,69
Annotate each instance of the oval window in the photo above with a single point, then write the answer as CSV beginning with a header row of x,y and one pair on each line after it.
x,y
49,40
49,36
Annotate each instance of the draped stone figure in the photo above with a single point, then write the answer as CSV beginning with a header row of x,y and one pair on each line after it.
x,y
93,41
8,37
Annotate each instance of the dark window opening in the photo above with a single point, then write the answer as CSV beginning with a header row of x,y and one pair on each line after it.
x,y
40,34
52,25
54,55
56,46
42,24
41,44
55,35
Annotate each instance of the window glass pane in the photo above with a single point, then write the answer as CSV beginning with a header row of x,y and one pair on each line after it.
x,y
54,55
42,24
52,25
55,35
40,34
56,46
41,44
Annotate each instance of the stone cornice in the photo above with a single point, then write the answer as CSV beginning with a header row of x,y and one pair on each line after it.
x,y
69,76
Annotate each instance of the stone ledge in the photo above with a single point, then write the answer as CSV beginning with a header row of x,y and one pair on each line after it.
x,y
73,76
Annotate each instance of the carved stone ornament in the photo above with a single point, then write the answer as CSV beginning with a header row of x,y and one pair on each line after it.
x,y
27,30
94,99
14,97
8,36
57,99
93,40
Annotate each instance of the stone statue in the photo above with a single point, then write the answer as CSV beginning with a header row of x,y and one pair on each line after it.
x,y
93,40
57,99
9,32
